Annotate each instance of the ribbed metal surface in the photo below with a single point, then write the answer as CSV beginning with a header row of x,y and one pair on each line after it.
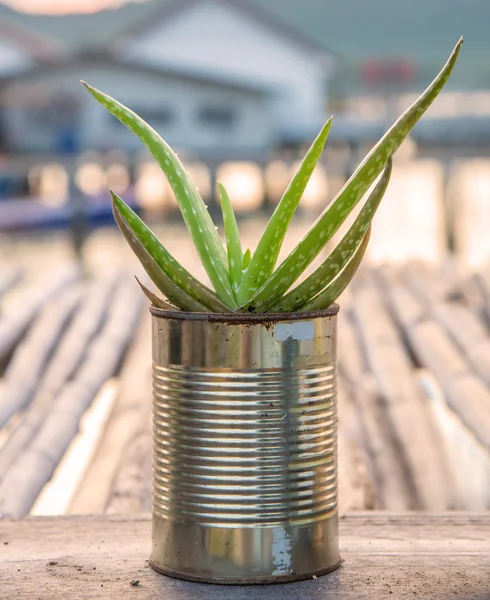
x,y
245,440
228,449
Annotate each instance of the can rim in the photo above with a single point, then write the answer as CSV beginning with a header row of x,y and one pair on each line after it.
x,y
243,318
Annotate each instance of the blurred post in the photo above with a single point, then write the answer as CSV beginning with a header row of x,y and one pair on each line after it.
x,y
78,218
352,158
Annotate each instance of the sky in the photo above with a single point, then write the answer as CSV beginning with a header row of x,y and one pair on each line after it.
x,y
63,6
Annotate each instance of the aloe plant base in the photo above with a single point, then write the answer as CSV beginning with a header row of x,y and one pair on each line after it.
x,y
245,446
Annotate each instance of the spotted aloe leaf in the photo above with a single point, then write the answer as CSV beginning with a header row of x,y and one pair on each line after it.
x,y
154,299
175,282
194,211
233,244
327,296
332,218
257,287
341,255
265,256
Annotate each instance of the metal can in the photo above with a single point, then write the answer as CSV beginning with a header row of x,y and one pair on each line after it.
x,y
245,446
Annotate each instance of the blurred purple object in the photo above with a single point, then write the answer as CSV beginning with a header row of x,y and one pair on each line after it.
x,y
23,214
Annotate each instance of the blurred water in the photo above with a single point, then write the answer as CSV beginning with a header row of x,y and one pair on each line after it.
x,y
430,205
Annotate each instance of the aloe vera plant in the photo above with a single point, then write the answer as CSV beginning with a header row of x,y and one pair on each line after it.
x,y
250,282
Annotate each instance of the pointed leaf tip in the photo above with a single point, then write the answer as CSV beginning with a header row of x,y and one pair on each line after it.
x,y
194,211
330,294
351,193
340,256
233,244
154,299
175,282
265,256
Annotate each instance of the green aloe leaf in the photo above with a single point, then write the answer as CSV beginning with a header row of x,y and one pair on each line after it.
x,y
154,299
269,246
335,263
332,218
247,257
233,244
328,296
194,211
175,282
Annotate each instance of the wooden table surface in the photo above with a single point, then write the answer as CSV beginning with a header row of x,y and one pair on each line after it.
x,y
414,555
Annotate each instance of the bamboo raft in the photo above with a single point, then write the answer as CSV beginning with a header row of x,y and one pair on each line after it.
x,y
75,395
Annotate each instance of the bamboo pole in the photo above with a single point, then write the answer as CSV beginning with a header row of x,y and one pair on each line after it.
x,y
26,368
62,366
26,477
16,321
124,423
9,278
424,460
392,490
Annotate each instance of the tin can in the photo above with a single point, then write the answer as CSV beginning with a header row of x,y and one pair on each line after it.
x,y
245,446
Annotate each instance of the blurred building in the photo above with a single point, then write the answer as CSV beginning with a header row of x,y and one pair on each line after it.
x,y
215,77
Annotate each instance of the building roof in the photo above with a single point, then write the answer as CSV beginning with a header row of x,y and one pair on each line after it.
x,y
21,48
27,40
106,59
283,28
99,34
75,32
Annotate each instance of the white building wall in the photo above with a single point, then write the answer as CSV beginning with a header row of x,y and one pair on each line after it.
x,y
12,60
182,98
214,38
